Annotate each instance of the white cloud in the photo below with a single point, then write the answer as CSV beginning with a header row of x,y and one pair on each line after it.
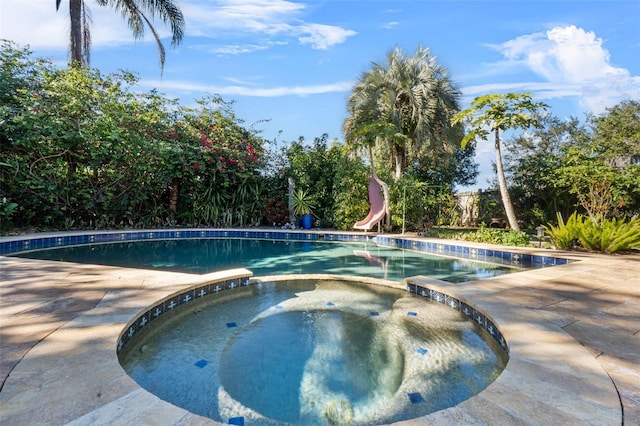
x,y
266,18
248,90
323,36
390,25
250,81
32,22
544,90
206,18
235,49
574,63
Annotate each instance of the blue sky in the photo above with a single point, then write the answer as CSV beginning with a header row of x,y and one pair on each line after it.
x,y
294,62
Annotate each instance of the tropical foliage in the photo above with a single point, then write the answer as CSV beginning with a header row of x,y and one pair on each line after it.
x,y
80,149
564,234
336,182
481,235
403,108
609,235
596,233
565,164
602,171
400,113
302,203
531,161
498,236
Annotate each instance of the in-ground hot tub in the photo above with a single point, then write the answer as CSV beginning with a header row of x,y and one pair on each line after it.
x,y
309,351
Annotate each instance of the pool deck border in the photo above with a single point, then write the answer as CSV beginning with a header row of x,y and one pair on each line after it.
x,y
573,332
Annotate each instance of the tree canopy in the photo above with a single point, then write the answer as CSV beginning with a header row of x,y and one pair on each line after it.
x,y
404,108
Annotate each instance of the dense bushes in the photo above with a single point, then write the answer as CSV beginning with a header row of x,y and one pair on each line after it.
x,y
80,149
482,235
84,150
595,233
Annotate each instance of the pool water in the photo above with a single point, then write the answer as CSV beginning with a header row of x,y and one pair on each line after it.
x,y
314,352
271,257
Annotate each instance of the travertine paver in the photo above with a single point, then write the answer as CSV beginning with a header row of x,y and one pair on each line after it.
x,y
573,330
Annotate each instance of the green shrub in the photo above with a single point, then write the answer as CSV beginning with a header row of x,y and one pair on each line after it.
x,y
481,235
598,234
497,236
609,235
563,235
7,210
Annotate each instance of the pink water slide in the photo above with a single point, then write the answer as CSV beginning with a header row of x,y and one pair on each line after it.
x,y
377,211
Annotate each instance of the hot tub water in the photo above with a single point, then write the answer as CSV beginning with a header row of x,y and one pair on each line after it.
x,y
314,352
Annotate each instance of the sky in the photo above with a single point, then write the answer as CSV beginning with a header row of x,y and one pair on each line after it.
x,y
289,66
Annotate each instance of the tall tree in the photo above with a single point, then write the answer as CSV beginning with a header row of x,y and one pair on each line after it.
x,y
415,97
133,11
500,112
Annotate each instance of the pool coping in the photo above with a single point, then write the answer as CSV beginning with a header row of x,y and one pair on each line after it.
x,y
573,332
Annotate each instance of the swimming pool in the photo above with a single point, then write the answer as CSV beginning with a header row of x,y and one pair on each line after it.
x,y
276,256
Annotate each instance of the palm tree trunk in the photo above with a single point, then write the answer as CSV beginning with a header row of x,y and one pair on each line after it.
x,y
504,191
75,46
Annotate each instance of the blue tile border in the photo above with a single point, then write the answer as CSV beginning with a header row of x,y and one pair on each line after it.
x,y
183,297
465,309
347,237
16,245
189,295
463,252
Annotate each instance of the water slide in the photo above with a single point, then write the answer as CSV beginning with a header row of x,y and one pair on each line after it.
x,y
377,211
373,260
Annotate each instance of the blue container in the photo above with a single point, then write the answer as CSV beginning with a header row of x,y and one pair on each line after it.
x,y
307,221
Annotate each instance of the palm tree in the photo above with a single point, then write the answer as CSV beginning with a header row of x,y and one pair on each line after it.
x,y
133,12
497,112
415,96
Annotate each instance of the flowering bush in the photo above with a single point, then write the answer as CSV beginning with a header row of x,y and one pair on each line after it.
x,y
95,151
